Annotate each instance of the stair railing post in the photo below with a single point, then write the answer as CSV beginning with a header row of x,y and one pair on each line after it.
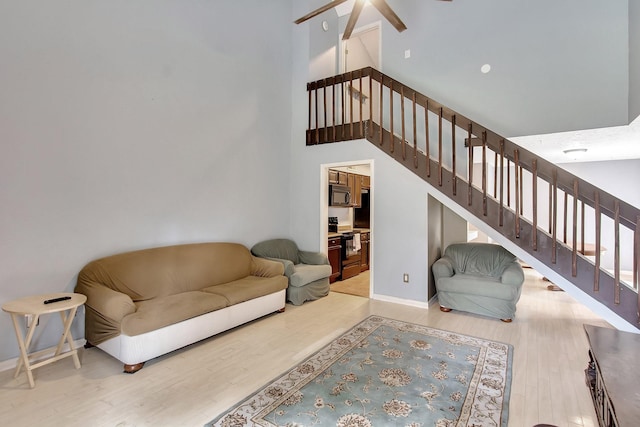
x,y
574,251
484,173
440,147
393,138
598,225
415,133
534,197
333,109
554,234
508,183
616,253
381,108
404,145
495,175
351,104
360,101
566,213
371,97
454,178
426,136
344,107
516,164
470,164
324,108
501,182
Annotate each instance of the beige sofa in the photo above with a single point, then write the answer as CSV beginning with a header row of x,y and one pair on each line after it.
x,y
146,303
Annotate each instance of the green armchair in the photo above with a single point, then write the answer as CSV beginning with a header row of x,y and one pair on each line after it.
x,y
308,272
480,278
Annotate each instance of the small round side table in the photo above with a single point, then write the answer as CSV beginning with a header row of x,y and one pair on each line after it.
x,y
35,306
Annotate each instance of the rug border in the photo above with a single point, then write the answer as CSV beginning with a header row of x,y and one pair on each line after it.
x,y
509,367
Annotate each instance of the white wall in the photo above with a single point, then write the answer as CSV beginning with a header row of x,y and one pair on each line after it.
x,y
126,125
634,60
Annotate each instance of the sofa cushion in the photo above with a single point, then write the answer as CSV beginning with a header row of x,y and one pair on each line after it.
x,y
248,288
304,274
163,311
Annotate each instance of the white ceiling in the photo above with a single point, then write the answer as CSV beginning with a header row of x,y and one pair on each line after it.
x,y
346,7
612,143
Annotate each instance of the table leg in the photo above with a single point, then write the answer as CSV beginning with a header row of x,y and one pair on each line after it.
x,y
67,320
24,345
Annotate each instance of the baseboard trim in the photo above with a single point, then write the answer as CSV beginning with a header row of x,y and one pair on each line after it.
x,y
412,303
37,356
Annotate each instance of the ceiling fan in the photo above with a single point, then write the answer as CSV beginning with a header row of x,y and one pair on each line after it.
x,y
381,5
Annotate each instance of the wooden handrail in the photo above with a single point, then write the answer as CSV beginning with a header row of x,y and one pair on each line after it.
x,y
542,242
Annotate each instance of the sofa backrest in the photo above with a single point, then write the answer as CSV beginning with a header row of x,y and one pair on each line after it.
x,y
480,259
151,273
277,248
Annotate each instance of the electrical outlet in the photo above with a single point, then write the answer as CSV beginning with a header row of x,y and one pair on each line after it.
x,y
405,278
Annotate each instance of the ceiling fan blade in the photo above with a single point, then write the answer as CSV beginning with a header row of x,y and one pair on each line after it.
x,y
320,10
355,13
388,13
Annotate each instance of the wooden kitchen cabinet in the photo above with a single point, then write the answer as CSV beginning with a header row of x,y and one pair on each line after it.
x,y
334,258
338,177
355,183
364,251
365,181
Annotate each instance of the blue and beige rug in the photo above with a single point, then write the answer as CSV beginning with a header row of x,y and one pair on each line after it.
x,y
385,372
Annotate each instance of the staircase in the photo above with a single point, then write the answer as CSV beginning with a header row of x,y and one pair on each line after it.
x,y
543,210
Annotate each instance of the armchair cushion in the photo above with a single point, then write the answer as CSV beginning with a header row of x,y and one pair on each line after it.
x,y
305,273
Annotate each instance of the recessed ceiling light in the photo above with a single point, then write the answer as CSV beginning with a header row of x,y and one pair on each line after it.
x,y
485,68
574,150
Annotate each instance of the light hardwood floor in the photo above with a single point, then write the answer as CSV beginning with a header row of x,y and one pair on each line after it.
x,y
358,285
191,386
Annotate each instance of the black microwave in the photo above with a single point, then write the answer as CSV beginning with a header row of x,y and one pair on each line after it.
x,y
339,195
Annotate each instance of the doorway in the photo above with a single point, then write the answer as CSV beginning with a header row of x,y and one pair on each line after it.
x,y
362,49
348,222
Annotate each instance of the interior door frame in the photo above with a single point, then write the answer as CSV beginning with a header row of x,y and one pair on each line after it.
x,y
324,210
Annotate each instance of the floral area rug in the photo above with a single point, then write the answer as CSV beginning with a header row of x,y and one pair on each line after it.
x,y
385,372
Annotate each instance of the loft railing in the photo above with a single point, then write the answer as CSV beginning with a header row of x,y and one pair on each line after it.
x,y
578,230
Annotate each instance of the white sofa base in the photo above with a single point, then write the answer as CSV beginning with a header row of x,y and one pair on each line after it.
x,y
132,350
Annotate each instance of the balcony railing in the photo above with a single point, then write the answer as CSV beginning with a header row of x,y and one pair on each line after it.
x,y
585,234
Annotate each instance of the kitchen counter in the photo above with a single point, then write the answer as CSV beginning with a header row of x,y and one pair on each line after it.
x,y
333,234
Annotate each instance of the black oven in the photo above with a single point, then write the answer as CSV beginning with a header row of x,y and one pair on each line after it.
x,y
350,256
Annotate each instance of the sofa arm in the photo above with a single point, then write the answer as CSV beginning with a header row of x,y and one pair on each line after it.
x,y
513,275
313,258
104,310
442,267
263,267
288,265
110,304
